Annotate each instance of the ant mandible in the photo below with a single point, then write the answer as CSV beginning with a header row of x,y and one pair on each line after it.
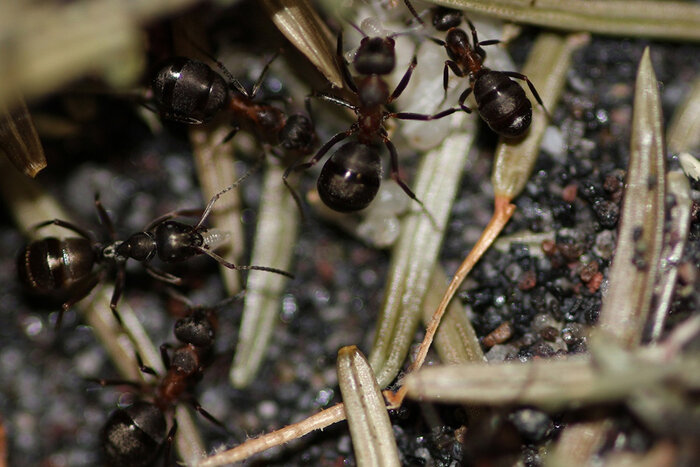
x,y
350,179
189,91
64,269
135,435
501,102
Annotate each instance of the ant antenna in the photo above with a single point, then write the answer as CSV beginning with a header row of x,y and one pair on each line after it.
x,y
414,12
214,198
230,265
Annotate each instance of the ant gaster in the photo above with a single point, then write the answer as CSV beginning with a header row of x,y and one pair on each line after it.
x,y
189,91
350,179
136,434
501,102
65,269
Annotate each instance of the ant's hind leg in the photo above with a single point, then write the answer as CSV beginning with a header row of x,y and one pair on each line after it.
x,y
65,225
516,75
394,157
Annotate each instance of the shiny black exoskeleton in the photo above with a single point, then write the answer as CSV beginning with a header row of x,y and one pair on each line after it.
x,y
189,91
501,102
66,270
350,178
136,435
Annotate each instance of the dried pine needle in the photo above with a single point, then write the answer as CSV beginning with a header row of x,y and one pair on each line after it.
x,y
275,238
19,140
300,23
640,18
368,419
634,269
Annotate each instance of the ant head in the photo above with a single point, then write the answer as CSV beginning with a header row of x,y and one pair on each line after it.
x,y
456,43
372,91
140,246
189,91
446,18
350,179
375,56
132,436
177,241
298,134
196,329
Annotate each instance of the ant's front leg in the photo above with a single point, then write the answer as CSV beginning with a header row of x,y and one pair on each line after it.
x,y
404,80
344,70
450,65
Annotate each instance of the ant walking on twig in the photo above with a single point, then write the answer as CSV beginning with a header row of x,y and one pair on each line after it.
x,y
135,435
350,179
65,269
501,102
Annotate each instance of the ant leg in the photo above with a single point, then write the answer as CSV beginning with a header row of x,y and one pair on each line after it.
x,y
450,65
313,161
231,134
144,369
261,78
344,70
80,290
413,12
104,217
394,157
404,80
165,356
65,225
463,97
118,289
169,439
516,75
233,82
177,213
162,275
333,100
114,382
229,265
423,117
196,406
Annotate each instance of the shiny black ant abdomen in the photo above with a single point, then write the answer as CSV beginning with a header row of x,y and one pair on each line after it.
x,y
67,270
501,102
134,435
191,92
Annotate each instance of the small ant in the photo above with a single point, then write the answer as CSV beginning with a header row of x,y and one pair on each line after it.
x,y
189,91
64,269
350,179
501,102
136,434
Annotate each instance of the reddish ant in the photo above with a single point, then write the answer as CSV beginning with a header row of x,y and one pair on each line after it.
x,y
501,102
64,269
189,91
136,434
350,179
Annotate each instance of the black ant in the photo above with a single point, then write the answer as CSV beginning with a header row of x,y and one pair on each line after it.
x,y
64,269
501,102
350,178
189,91
136,434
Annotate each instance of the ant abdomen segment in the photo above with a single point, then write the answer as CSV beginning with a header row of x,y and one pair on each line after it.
x,y
189,91
502,103
134,435
350,179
